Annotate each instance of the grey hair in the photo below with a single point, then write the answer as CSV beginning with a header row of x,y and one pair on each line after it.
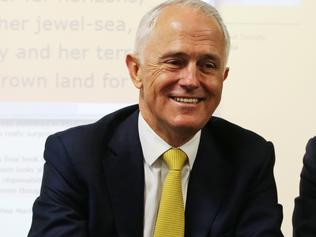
x,y
149,20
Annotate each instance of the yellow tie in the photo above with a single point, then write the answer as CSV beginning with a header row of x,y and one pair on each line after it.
x,y
170,219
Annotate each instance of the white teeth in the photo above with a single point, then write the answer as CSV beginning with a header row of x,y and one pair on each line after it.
x,y
187,100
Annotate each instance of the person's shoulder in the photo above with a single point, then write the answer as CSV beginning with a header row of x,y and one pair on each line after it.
x,y
229,131
243,147
312,142
310,153
97,131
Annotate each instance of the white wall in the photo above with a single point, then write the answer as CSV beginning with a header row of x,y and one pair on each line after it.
x,y
62,64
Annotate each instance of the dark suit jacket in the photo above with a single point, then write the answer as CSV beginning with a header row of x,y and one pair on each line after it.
x,y
93,183
304,216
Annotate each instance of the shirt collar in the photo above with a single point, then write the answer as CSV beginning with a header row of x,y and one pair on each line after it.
x,y
154,146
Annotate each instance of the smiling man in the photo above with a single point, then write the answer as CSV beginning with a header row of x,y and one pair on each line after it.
x,y
165,167
180,72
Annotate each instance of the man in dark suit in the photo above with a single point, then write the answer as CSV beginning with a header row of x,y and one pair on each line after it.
x,y
304,216
105,179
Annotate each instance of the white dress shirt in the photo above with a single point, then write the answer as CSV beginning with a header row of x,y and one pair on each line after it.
x,y
155,170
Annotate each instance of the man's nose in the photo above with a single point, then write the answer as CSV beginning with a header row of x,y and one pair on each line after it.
x,y
189,77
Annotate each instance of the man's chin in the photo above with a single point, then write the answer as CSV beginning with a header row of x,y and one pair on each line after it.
x,y
185,127
188,121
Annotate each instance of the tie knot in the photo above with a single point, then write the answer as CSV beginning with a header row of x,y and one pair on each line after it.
x,y
175,158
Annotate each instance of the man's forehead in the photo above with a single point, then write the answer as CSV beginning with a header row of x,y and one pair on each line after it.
x,y
186,29
186,19
197,33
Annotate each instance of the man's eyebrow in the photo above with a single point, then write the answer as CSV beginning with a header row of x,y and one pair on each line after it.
x,y
182,54
173,55
210,56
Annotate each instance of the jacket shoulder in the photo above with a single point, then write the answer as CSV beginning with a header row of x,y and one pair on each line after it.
x,y
230,132
309,158
240,145
99,130
87,140
312,143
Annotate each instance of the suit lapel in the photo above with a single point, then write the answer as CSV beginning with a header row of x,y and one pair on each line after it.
x,y
206,187
123,164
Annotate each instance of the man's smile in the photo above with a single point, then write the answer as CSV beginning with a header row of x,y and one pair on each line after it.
x,y
187,100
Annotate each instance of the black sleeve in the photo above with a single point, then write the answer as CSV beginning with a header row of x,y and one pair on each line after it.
x,y
304,215
262,215
58,211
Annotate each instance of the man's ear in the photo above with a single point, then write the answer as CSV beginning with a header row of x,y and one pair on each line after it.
x,y
134,70
226,73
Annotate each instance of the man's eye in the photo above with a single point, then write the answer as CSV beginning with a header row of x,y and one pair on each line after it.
x,y
208,66
175,62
